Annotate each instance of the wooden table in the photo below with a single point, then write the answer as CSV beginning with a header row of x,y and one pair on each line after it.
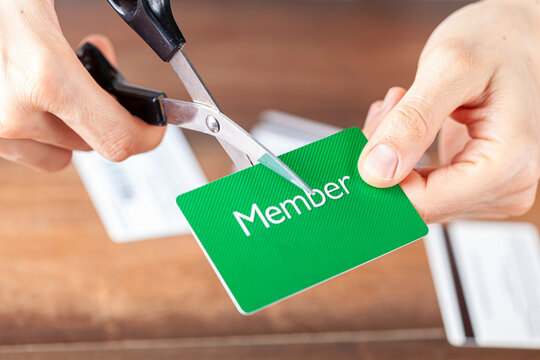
x,y
67,291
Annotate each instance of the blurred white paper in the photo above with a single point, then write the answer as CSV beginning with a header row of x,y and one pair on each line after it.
x,y
136,199
487,277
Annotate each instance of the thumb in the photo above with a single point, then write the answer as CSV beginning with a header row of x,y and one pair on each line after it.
x,y
410,128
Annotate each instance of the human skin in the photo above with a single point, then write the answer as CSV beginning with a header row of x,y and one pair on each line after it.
x,y
477,86
49,104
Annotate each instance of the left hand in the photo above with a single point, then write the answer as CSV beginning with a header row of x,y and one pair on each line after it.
x,y
478,87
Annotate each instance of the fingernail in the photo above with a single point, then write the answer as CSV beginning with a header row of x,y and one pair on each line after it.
x,y
381,162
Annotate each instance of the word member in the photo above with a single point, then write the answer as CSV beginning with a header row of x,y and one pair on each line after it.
x,y
278,214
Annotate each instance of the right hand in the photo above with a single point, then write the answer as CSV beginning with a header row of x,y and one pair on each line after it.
x,y
49,103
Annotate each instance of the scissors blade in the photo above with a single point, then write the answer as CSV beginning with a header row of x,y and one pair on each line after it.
x,y
194,116
241,147
198,91
191,79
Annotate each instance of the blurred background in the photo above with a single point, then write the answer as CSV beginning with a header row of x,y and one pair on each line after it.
x,y
67,291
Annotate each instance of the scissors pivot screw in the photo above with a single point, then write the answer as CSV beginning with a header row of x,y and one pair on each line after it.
x,y
212,124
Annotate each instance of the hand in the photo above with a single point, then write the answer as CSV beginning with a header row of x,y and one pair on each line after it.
x,y
477,86
49,104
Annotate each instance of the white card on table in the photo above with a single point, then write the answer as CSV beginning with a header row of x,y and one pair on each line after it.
x,y
135,199
487,278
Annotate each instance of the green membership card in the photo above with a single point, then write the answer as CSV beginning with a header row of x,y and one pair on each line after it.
x,y
267,239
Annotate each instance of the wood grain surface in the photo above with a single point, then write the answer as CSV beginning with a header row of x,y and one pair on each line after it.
x,y
67,291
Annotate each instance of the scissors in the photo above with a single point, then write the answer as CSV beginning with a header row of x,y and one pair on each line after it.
x,y
154,22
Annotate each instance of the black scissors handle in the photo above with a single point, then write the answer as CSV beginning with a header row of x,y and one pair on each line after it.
x,y
154,22
141,102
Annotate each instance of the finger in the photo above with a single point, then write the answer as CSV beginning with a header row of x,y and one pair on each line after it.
x,y
53,131
34,154
443,192
99,119
519,204
452,139
391,98
443,83
47,129
482,173
374,108
515,204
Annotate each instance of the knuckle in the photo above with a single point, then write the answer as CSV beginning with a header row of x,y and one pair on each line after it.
x,y
60,162
119,148
522,205
35,79
454,54
530,173
45,86
518,211
430,215
11,127
535,170
43,90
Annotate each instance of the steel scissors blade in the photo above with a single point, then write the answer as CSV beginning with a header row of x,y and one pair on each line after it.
x,y
242,148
